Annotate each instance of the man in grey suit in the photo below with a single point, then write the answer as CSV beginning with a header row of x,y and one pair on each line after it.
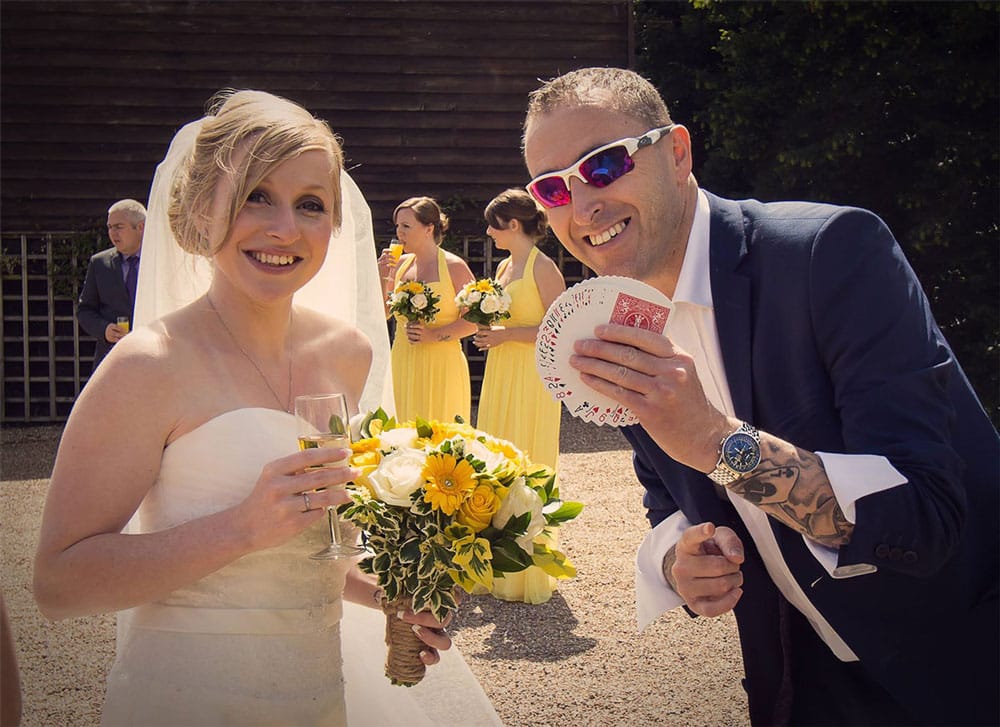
x,y
109,289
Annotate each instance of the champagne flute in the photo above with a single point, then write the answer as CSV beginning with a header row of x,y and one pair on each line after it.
x,y
323,422
395,249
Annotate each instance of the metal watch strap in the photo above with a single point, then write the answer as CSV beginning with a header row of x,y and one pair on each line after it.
x,y
723,474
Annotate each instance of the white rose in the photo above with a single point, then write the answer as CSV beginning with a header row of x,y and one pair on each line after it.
x,y
398,438
419,301
474,297
478,450
489,304
521,499
505,302
398,475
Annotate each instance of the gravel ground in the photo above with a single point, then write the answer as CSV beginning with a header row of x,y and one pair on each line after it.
x,y
575,660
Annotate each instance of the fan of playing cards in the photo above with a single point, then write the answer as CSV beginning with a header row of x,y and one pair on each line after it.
x,y
572,316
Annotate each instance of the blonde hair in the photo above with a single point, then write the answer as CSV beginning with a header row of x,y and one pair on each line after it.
x,y
428,212
516,204
245,136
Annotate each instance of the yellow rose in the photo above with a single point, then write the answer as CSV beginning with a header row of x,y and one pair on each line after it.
x,y
477,511
448,430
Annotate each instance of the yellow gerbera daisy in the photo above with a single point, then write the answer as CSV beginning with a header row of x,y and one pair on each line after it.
x,y
448,482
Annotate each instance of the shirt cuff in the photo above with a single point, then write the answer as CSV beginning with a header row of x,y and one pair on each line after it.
x,y
852,476
653,595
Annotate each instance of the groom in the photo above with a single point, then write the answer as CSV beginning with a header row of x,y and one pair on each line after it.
x,y
813,456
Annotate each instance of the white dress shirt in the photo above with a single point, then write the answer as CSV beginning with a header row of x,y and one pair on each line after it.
x,y
691,327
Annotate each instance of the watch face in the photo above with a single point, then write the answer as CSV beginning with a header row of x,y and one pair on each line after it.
x,y
741,452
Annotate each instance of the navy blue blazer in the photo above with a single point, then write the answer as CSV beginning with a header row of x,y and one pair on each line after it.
x,y
829,343
103,298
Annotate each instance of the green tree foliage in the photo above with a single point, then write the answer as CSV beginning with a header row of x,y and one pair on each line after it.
x,y
890,106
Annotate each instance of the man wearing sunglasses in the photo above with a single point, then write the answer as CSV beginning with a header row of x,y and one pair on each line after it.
x,y
813,456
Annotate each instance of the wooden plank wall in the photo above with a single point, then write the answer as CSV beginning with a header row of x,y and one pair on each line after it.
x,y
428,96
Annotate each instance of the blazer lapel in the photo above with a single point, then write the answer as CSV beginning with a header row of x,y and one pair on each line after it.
x,y
731,299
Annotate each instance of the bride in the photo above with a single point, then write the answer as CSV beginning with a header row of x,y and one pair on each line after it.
x,y
177,491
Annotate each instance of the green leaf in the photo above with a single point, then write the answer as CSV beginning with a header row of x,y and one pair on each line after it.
x,y
410,551
508,557
518,524
567,511
424,428
337,425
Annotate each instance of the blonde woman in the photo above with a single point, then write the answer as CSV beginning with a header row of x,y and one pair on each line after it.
x,y
186,430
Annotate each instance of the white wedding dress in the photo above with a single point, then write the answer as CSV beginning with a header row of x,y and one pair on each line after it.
x,y
258,642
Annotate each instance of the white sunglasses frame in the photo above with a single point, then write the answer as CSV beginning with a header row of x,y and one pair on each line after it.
x,y
632,144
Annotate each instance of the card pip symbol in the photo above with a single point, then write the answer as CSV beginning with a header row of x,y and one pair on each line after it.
x,y
639,313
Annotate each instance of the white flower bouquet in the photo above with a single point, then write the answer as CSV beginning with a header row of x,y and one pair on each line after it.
x,y
483,302
444,505
415,301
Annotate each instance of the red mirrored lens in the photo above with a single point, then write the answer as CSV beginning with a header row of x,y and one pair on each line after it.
x,y
551,192
599,169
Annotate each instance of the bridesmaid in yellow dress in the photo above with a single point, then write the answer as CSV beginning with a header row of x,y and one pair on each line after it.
x,y
513,403
429,371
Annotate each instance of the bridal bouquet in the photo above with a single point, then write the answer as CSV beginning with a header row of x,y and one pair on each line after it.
x,y
444,505
415,301
483,302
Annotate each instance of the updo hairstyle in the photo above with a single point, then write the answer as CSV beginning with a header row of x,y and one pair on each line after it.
x,y
517,204
428,212
244,137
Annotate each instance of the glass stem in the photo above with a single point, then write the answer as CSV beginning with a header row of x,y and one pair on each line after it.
x,y
335,536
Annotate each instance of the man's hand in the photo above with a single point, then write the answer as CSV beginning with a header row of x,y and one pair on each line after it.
x,y
113,333
704,569
647,373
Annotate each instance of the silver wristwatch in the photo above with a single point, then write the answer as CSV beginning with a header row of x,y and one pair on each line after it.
x,y
739,455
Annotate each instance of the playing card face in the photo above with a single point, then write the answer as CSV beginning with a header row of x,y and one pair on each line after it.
x,y
573,316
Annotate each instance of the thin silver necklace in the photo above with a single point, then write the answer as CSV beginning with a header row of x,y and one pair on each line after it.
x,y
287,405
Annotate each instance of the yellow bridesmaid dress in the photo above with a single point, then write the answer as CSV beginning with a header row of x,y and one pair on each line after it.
x,y
431,379
514,405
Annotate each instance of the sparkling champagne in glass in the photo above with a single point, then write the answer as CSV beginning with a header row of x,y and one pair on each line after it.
x,y
324,422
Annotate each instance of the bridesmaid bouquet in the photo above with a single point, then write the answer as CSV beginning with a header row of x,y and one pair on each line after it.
x,y
483,302
444,505
415,301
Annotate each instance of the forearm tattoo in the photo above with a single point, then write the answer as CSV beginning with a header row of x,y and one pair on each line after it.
x,y
791,486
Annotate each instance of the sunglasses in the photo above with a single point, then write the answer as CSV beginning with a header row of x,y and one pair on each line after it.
x,y
599,167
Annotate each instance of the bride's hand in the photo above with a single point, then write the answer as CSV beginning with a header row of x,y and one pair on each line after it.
x,y
431,631
284,502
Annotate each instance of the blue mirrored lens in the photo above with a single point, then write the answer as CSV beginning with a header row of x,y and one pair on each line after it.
x,y
606,166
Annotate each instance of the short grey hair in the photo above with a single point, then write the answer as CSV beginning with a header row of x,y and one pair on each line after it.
x,y
134,211
614,89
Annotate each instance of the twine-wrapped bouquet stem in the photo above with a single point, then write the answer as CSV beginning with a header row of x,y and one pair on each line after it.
x,y
403,666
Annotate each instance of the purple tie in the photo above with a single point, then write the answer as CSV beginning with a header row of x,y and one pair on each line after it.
x,y
132,276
